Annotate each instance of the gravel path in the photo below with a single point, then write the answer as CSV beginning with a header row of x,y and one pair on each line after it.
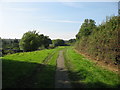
x,y
61,78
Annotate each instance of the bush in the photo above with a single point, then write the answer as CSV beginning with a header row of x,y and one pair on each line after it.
x,y
102,43
31,41
58,42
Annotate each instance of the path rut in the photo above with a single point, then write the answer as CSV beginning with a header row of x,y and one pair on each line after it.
x,y
61,77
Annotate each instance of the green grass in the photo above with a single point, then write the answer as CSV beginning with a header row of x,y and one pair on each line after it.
x,y
37,70
17,69
85,74
32,57
48,75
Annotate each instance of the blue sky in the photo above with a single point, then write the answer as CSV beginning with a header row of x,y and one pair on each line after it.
x,y
54,19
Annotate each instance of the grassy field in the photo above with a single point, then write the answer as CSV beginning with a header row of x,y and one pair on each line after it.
x,y
47,78
85,74
24,69
37,70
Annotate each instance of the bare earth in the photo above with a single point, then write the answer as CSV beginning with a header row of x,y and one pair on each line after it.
x,y
61,77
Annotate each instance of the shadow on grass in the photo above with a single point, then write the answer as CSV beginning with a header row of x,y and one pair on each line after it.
x,y
16,74
77,76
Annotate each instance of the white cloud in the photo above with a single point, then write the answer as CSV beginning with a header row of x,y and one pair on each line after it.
x,y
63,21
65,36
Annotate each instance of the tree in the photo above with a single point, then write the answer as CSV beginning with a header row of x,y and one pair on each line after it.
x,y
30,41
58,42
47,41
16,41
100,42
15,44
0,42
72,41
44,41
86,28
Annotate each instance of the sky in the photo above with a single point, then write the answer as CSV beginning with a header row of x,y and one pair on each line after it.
x,y
55,19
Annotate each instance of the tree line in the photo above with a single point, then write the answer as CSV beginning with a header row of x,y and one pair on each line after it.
x,y
100,42
31,41
9,46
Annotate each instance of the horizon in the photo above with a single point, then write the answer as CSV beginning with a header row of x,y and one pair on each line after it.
x,y
58,20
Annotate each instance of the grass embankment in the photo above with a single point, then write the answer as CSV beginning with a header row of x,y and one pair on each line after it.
x,y
47,78
85,74
24,69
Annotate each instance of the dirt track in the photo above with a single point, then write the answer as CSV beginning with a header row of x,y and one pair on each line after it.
x,y
61,77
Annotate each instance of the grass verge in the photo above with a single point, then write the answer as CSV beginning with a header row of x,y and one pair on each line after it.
x,y
85,74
